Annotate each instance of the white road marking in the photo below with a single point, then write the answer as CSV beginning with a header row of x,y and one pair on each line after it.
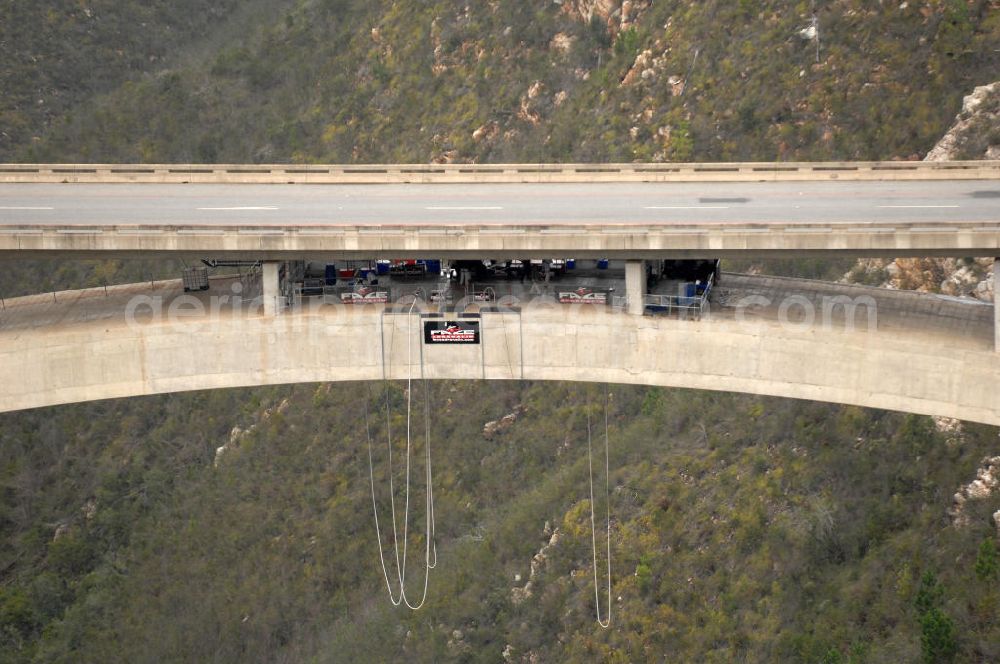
x,y
461,207
914,207
24,208
217,209
686,207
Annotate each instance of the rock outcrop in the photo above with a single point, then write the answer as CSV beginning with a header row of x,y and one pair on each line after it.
x,y
950,276
486,132
493,428
519,595
587,9
617,14
976,132
561,42
238,434
987,483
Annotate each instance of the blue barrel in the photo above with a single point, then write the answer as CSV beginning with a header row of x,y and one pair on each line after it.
x,y
602,264
382,267
570,263
330,274
433,266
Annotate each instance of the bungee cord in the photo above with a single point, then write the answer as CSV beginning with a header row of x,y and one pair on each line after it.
x,y
432,540
593,527
378,531
429,492
430,554
430,548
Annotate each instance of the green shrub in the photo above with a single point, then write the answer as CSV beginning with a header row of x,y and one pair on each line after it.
x,y
987,562
937,637
929,594
627,44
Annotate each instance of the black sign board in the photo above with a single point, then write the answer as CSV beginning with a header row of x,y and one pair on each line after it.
x,y
451,332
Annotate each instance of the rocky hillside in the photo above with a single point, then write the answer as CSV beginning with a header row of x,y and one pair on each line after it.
x,y
968,277
976,132
582,80
743,529
236,525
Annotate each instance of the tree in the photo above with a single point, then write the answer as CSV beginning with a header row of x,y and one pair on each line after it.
x,y
929,594
937,637
937,631
987,562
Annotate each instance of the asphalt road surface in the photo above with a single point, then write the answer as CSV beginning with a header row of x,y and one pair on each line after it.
x,y
931,202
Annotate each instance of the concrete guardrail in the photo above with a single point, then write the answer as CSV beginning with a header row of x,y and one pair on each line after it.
x,y
495,173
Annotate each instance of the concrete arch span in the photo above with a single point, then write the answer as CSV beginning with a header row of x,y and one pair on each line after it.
x,y
111,359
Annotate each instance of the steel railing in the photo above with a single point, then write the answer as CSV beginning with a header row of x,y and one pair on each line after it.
x,y
682,305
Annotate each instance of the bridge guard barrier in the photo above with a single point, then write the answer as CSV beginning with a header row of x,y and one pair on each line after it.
x,y
996,304
495,173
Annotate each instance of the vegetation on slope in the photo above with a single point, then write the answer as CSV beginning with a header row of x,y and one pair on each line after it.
x,y
743,529
976,132
61,53
353,81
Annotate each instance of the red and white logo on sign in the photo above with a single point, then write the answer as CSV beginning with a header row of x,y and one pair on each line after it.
x,y
453,333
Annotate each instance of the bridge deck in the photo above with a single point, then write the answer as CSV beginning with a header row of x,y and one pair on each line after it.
x,y
601,219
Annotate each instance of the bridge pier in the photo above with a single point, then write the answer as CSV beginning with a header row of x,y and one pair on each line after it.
x,y
996,304
270,287
635,286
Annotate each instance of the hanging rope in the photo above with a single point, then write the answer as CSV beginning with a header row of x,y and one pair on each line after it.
x,y
378,531
431,547
428,565
607,494
432,540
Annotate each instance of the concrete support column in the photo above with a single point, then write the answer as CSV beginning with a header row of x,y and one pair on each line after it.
x,y
996,304
635,286
270,288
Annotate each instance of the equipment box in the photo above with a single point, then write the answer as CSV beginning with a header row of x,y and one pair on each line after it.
x,y
195,278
